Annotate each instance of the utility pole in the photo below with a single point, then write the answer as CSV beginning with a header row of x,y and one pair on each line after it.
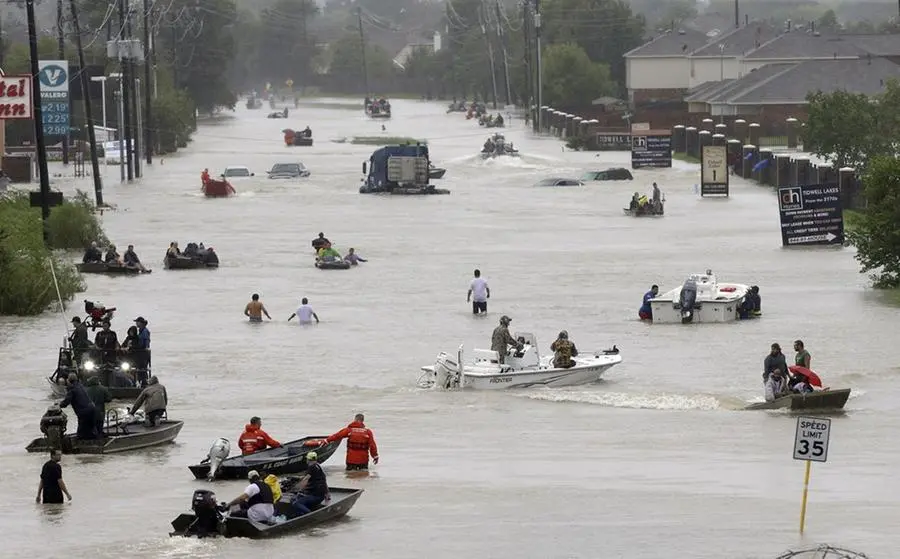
x,y
148,61
737,13
540,71
86,98
503,51
123,85
61,43
132,75
362,48
490,53
529,66
38,120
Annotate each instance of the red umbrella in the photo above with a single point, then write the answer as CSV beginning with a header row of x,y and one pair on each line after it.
x,y
811,377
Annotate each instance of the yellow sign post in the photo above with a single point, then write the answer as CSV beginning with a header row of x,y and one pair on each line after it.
x,y
810,445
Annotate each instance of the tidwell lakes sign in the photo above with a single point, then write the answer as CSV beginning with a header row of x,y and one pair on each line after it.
x,y
15,97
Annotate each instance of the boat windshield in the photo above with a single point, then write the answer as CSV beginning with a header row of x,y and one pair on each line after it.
x,y
237,172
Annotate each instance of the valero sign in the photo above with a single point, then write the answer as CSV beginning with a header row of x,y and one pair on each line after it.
x,y
15,97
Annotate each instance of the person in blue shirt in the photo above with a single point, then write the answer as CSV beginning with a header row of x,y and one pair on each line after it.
x,y
142,349
646,312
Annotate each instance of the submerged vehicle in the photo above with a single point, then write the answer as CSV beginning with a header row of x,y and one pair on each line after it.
x,y
399,170
288,171
497,146
253,103
611,174
210,519
290,458
277,114
237,172
121,433
522,369
701,298
559,182
194,256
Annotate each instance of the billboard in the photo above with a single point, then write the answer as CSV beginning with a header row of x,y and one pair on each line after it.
x,y
811,214
651,148
714,171
54,78
15,98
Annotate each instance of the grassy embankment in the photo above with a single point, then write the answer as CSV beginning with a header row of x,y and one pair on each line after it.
x,y
26,280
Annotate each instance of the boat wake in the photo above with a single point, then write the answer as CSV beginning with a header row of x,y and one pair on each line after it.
x,y
661,401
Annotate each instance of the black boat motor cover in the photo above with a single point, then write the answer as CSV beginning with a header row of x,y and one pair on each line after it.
x,y
208,514
688,297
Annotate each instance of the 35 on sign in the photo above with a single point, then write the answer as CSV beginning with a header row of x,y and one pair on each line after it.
x,y
811,439
815,450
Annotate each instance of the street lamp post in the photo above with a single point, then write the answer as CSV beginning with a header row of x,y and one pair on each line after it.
x,y
102,80
121,128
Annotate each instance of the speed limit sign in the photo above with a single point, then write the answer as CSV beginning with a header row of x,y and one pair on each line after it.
x,y
811,440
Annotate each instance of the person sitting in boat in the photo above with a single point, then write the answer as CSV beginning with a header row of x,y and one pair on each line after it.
x,y
776,385
488,146
320,241
307,132
131,259
204,176
775,360
501,338
353,258
313,486
191,250
112,256
92,254
254,439
633,206
565,351
154,399
646,311
499,120
256,503
328,254
173,250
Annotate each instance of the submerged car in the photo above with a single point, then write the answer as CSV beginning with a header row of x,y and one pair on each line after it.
x,y
237,172
288,171
611,174
555,181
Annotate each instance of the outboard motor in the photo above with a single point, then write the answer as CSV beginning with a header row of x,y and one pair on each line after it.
x,y
209,515
218,452
446,372
53,426
688,300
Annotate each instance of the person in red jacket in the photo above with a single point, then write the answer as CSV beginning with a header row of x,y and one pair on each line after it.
x,y
254,439
360,443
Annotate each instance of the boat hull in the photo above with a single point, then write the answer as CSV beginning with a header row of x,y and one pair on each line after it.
x,y
136,436
217,189
551,378
301,142
819,400
337,265
633,213
342,500
103,268
436,173
288,459
186,263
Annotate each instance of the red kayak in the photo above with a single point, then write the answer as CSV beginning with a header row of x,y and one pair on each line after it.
x,y
217,189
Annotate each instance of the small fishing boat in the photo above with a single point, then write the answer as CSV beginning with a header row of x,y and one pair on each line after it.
x,y
297,137
289,458
278,114
497,146
213,188
192,258
701,298
111,269
208,519
650,209
819,400
522,369
121,432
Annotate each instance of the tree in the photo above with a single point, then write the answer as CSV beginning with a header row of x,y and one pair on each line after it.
x,y
605,29
286,48
876,235
679,10
828,22
571,79
346,61
843,128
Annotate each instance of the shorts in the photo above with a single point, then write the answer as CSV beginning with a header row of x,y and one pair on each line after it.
x,y
255,319
357,467
479,307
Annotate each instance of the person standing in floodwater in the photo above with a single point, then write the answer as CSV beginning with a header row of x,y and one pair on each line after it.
x,y
479,293
255,309
304,313
52,487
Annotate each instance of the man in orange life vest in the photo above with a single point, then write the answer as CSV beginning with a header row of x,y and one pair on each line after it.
x,y
360,443
254,439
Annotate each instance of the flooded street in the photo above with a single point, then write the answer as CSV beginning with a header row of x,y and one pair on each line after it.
x,y
654,461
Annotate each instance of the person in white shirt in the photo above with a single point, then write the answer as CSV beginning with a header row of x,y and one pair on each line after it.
x,y
479,293
257,498
305,313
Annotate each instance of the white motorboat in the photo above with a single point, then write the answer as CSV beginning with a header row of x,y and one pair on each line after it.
x,y
701,298
522,369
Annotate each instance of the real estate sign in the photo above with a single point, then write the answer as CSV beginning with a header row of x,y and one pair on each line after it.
x,y
811,214
650,148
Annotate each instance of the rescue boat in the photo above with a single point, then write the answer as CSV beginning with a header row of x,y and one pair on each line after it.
x,y
522,369
217,189
701,298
